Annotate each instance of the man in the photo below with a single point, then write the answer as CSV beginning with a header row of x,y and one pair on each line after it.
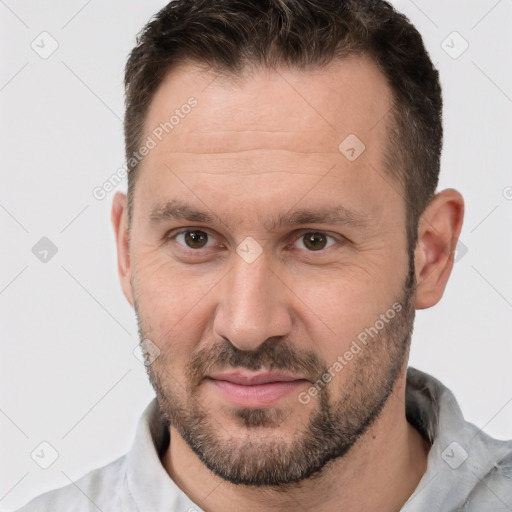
x,y
280,229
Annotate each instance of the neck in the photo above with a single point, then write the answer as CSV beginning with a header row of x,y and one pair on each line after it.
x,y
380,472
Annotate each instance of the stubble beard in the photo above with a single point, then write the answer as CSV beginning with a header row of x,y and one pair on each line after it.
x,y
260,456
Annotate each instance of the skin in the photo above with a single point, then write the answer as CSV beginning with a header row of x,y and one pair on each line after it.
x,y
251,150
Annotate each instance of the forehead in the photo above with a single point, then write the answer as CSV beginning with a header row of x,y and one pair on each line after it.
x,y
267,126
347,96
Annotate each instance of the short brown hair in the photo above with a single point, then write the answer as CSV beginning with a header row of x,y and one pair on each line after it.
x,y
229,35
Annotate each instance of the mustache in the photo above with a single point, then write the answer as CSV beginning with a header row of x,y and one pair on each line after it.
x,y
270,355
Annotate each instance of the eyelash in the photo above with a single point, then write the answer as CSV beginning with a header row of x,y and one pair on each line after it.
x,y
171,236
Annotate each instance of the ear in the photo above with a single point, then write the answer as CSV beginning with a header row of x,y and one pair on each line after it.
x,y
120,224
438,231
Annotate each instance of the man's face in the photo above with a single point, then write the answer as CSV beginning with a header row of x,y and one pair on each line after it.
x,y
234,288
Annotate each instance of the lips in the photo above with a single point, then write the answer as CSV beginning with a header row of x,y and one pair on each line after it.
x,y
261,389
252,379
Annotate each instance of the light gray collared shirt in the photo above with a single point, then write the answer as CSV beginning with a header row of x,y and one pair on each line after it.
x,y
467,470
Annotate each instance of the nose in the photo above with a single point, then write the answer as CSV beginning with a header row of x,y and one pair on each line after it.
x,y
254,305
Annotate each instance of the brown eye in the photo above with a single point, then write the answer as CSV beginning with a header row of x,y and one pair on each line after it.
x,y
195,239
315,241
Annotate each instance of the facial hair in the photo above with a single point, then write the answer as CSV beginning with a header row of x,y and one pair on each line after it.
x,y
333,427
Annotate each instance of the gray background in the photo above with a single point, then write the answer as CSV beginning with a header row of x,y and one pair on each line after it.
x,y
68,370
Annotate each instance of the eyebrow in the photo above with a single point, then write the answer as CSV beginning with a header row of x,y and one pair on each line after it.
x,y
178,210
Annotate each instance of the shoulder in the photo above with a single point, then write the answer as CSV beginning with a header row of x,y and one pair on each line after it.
x,y
101,489
467,469
489,461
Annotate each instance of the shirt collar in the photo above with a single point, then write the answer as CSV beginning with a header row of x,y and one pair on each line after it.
x,y
461,454
148,482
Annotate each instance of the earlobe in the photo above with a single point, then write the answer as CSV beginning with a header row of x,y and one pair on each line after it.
x,y
438,231
120,225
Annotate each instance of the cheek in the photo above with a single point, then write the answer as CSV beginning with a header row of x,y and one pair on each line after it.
x,y
175,303
338,305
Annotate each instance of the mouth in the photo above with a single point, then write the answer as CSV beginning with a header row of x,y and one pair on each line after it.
x,y
255,389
